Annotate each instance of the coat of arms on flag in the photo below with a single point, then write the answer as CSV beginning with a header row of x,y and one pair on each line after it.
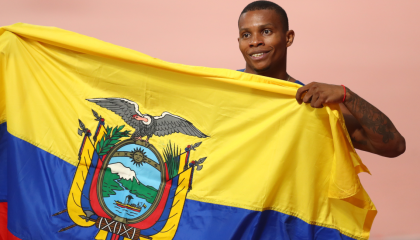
x,y
125,186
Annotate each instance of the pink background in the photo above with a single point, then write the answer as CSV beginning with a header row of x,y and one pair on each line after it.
x,y
373,47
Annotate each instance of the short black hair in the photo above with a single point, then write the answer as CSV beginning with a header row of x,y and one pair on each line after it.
x,y
267,5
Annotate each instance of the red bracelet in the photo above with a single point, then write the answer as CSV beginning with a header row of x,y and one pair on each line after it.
x,y
344,98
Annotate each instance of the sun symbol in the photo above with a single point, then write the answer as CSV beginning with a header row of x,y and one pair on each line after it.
x,y
138,157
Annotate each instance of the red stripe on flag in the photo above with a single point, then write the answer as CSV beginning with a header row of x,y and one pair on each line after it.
x,y
4,232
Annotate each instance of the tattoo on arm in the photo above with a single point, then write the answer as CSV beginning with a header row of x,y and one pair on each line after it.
x,y
370,117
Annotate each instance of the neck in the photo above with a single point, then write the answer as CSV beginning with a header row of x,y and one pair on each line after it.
x,y
278,71
273,74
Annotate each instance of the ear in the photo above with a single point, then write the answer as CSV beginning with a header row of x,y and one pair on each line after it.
x,y
290,37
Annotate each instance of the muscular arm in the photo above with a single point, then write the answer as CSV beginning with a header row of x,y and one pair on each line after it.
x,y
369,128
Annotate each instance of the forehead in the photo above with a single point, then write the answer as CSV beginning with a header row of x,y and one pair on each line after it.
x,y
258,18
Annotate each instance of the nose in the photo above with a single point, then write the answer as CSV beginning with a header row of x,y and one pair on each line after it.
x,y
256,40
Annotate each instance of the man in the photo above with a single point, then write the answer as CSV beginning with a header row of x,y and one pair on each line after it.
x,y
264,37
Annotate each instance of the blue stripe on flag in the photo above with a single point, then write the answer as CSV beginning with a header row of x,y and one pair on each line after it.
x,y
38,185
212,221
3,162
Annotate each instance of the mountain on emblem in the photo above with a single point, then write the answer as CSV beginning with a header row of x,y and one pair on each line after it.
x,y
123,171
124,185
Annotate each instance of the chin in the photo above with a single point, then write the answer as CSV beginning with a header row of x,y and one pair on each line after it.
x,y
261,69
261,66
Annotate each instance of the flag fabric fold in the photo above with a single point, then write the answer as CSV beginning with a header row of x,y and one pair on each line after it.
x,y
102,142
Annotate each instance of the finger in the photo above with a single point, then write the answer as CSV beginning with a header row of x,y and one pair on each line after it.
x,y
315,98
309,96
300,93
319,103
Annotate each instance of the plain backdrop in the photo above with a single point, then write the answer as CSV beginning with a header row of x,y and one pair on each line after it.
x,y
373,47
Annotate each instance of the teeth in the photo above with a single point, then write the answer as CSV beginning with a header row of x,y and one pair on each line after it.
x,y
257,54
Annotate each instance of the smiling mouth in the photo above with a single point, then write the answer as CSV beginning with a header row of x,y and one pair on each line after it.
x,y
260,55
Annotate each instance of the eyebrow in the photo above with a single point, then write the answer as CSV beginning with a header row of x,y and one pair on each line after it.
x,y
261,26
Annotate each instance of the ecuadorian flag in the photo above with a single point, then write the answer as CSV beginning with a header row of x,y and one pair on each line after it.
x,y
102,142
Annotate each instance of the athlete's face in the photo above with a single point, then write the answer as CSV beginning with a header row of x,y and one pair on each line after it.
x,y
262,40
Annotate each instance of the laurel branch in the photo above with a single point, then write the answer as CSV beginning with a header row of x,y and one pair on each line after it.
x,y
112,137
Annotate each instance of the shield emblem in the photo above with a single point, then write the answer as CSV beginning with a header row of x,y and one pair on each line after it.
x,y
132,181
126,187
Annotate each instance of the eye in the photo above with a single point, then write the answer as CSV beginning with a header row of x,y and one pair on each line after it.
x,y
246,35
266,31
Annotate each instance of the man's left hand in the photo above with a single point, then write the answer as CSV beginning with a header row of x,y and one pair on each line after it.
x,y
319,93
